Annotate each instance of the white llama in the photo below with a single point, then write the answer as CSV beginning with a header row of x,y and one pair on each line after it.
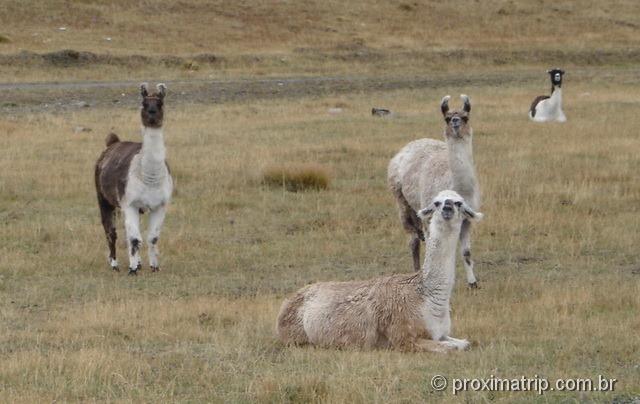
x,y
135,178
545,108
406,312
425,167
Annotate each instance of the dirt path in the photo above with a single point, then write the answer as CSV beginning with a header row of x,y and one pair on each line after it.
x,y
42,97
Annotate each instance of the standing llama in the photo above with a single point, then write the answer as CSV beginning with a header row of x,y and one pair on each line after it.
x,y
135,178
549,108
407,312
425,167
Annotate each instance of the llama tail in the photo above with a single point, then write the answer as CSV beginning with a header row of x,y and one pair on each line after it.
x,y
111,139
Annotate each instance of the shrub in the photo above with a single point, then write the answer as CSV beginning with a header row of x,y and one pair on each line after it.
x,y
296,177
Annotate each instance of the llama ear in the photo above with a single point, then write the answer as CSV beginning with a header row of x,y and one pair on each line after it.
x,y
444,104
470,214
162,90
144,89
427,212
467,102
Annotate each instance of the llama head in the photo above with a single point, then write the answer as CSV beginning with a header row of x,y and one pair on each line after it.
x,y
152,111
457,120
449,206
556,76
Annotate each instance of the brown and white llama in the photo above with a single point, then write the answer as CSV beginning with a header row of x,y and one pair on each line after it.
x,y
135,177
408,312
425,167
548,108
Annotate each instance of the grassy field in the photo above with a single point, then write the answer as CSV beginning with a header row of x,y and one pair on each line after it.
x,y
556,255
557,252
205,39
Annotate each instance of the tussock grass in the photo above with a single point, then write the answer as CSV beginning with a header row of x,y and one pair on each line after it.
x,y
556,254
296,177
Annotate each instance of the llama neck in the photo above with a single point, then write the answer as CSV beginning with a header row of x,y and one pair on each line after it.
x,y
462,168
152,156
556,94
438,270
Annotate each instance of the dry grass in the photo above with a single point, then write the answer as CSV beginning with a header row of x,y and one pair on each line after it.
x,y
556,255
252,37
296,177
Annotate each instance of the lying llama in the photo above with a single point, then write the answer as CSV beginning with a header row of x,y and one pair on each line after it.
x,y
135,178
549,108
407,312
425,167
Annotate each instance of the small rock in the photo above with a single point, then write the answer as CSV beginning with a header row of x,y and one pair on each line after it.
x,y
62,28
80,129
334,111
81,104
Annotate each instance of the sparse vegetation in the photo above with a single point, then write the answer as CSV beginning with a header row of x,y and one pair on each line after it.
x,y
296,177
557,253
203,329
315,37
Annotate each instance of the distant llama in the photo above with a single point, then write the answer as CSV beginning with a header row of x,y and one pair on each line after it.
x,y
425,167
135,177
409,312
545,108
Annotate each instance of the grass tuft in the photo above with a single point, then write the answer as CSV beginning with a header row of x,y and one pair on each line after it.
x,y
297,177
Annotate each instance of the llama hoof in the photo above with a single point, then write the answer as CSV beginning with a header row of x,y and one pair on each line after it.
x,y
474,285
133,271
421,236
115,269
155,269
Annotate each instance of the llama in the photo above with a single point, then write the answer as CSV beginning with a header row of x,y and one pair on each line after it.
x,y
136,178
425,167
407,312
549,108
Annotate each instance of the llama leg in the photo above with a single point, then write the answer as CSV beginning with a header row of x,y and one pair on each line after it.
x,y
465,249
413,225
156,218
107,213
428,345
460,344
414,246
134,239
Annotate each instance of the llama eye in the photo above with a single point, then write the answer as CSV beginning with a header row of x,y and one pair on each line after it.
x,y
465,119
437,203
447,119
145,104
458,203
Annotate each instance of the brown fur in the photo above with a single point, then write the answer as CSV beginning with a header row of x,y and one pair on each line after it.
x,y
112,168
111,139
377,313
111,172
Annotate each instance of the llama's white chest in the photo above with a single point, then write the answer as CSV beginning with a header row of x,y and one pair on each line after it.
x,y
142,193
